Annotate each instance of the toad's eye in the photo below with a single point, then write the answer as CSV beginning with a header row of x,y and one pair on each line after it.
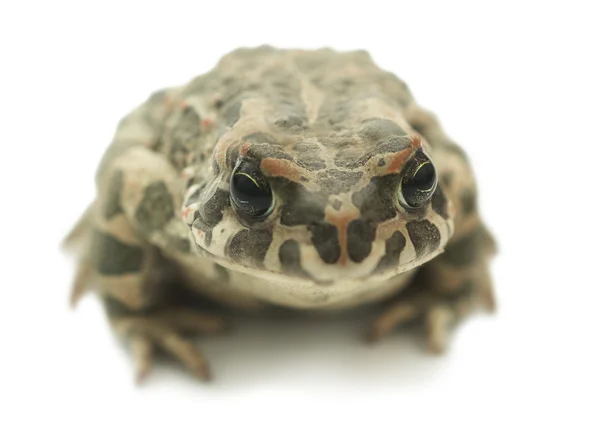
x,y
250,191
419,181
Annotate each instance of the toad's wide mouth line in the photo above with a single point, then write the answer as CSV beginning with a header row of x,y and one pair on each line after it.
x,y
276,276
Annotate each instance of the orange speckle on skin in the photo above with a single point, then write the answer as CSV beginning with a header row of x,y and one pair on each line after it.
x,y
199,234
398,160
416,141
185,212
186,173
341,220
207,122
280,168
244,149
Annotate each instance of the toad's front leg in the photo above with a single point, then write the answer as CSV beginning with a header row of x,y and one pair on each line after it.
x,y
444,290
133,224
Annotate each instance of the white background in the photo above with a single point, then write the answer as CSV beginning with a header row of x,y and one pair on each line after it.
x,y
517,84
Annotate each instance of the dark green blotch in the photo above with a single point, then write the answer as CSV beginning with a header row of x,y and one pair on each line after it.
x,y
468,201
211,212
208,238
420,128
185,136
350,158
112,203
392,144
378,128
182,245
325,240
250,246
189,124
439,203
393,248
335,111
424,235
464,251
311,163
114,258
289,255
193,197
360,239
334,181
156,208
230,112
300,207
376,201
446,179
455,149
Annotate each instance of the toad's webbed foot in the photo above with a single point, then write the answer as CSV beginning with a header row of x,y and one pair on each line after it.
x,y
438,313
166,330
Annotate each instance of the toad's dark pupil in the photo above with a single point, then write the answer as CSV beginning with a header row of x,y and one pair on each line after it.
x,y
418,187
424,179
250,192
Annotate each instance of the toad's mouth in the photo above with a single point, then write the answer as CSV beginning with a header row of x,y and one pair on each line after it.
x,y
281,277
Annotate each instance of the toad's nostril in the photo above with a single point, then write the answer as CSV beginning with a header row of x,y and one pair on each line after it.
x,y
360,239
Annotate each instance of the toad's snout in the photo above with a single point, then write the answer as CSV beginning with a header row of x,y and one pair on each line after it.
x,y
343,236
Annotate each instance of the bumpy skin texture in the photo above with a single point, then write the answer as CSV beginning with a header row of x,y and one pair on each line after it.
x,y
332,135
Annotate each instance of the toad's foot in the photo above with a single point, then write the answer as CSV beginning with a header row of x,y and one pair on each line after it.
x,y
165,329
439,313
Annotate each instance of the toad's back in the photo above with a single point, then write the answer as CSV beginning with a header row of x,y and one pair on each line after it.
x,y
268,94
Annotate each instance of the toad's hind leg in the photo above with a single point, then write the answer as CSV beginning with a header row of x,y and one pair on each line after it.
x,y
135,215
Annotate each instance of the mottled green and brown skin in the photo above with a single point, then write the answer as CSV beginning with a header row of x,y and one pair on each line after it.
x,y
331,133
